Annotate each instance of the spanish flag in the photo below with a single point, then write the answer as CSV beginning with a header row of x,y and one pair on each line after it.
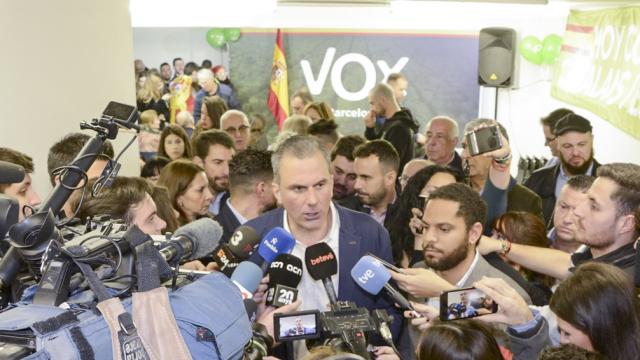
x,y
279,88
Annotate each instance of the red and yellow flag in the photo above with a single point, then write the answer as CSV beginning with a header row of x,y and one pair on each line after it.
x,y
279,88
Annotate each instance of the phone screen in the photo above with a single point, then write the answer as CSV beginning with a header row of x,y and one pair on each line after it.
x,y
465,303
297,325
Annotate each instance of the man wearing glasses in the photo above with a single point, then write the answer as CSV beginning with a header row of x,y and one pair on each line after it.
x,y
236,124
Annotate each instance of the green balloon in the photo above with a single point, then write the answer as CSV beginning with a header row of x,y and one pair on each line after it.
x,y
231,35
215,38
551,48
531,49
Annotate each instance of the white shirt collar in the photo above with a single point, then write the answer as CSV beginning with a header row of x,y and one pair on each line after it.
x,y
241,219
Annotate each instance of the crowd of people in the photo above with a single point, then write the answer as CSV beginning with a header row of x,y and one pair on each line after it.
x,y
555,252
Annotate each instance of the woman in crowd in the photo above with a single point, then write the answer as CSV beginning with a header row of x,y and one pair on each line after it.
x,y
150,96
174,143
596,310
461,339
406,249
258,131
212,109
222,76
525,228
318,110
188,189
149,136
165,210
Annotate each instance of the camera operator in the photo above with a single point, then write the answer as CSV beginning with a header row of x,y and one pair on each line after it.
x,y
22,191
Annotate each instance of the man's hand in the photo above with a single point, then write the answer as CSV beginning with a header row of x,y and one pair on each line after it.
x,y
266,318
370,119
385,353
213,266
194,265
512,309
260,295
487,245
421,282
429,313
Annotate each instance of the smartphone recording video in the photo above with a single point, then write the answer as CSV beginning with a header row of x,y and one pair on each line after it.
x,y
297,325
465,303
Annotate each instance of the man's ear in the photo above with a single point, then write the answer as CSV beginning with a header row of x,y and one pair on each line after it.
x,y
455,140
390,178
276,191
626,223
475,232
198,161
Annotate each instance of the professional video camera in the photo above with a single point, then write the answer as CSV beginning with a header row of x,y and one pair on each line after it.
x,y
346,327
30,238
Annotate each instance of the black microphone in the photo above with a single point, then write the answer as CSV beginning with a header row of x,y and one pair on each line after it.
x,y
239,248
285,273
252,309
322,265
192,241
11,173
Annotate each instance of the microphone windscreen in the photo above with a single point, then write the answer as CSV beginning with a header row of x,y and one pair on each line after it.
x,y
248,275
285,269
321,261
11,173
242,242
370,274
205,233
275,242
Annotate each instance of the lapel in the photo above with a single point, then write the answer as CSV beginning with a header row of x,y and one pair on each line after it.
x,y
349,248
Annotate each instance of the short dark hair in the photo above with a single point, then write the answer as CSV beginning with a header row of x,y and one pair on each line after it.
x,y
206,63
66,149
190,67
248,167
386,153
471,207
553,117
627,177
116,200
153,167
203,141
324,127
176,59
580,183
346,145
463,339
163,64
567,352
395,77
18,158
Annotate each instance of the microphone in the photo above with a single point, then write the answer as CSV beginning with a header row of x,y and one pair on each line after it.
x,y
192,241
239,247
322,264
11,173
247,277
275,242
372,276
285,273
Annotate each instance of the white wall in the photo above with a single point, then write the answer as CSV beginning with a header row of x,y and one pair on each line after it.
x,y
519,108
62,62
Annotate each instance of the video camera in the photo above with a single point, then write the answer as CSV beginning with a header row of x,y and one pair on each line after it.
x,y
346,327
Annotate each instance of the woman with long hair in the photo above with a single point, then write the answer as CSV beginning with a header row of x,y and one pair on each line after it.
x,y
150,96
174,143
188,188
460,339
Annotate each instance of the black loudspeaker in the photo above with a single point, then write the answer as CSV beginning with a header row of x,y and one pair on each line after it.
x,y
497,52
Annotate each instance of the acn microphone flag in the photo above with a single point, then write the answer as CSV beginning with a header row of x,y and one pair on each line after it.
x,y
279,88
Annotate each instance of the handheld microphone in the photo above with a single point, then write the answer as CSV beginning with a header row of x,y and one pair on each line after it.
x,y
11,173
275,242
372,276
239,248
285,273
322,265
247,278
252,309
192,241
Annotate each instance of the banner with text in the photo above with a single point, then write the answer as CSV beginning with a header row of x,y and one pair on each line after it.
x,y
599,65
340,67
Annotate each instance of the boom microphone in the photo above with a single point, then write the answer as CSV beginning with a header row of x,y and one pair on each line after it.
x,y
285,273
11,173
192,241
322,265
240,246
372,276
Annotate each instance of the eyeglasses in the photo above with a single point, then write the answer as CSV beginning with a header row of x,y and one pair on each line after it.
x,y
232,130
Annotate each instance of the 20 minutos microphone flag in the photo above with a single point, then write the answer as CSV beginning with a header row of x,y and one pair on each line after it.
x,y
279,88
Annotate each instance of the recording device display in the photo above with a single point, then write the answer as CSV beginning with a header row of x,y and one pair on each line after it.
x,y
322,265
124,115
297,325
386,264
465,303
370,274
483,140
285,273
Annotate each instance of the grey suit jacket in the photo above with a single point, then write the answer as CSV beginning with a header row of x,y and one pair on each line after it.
x,y
482,268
